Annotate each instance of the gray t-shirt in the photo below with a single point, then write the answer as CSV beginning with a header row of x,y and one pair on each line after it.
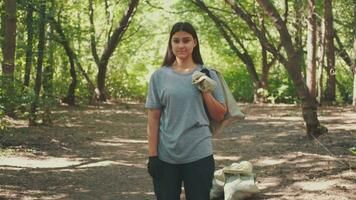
x,y
184,134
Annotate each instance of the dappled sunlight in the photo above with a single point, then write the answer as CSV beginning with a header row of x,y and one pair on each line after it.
x,y
38,162
110,162
268,182
316,185
268,161
115,111
118,142
230,158
135,193
30,194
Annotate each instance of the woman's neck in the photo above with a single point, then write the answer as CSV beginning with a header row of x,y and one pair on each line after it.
x,y
184,64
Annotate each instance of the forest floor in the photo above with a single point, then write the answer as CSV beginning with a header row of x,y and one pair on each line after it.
x,y
99,152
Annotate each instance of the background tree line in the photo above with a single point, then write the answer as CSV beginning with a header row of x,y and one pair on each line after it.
x,y
89,51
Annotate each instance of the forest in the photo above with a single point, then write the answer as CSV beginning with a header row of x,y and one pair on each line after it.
x,y
74,79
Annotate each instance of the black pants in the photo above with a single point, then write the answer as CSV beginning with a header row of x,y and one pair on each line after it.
x,y
196,176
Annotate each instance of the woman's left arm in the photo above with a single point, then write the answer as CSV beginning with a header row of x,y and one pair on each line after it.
x,y
216,110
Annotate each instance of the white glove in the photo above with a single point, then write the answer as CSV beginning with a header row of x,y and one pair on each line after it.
x,y
203,82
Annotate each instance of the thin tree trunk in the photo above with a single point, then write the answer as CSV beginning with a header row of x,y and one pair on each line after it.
x,y
93,44
29,54
354,58
293,66
298,36
311,49
111,46
8,63
321,62
330,54
264,62
48,100
342,51
40,49
70,98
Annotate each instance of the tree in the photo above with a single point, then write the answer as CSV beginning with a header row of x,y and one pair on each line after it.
x,y
112,43
354,59
29,28
292,62
40,55
329,51
311,49
242,54
8,63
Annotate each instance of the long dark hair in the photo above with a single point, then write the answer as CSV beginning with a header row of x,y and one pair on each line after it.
x,y
186,27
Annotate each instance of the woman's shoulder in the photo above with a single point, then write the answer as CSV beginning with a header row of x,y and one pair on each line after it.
x,y
160,71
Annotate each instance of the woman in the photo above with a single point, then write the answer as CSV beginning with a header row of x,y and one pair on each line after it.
x,y
179,138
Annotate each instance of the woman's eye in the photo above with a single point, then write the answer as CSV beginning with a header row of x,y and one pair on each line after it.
x,y
176,41
186,41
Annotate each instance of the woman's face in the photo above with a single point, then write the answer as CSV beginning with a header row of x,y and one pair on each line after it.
x,y
183,44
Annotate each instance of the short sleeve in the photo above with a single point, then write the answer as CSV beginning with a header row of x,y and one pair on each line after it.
x,y
218,92
153,100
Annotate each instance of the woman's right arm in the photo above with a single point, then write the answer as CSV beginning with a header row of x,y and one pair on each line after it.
x,y
153,130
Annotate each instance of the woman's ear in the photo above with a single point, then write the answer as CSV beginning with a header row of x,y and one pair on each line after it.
x,y
195,42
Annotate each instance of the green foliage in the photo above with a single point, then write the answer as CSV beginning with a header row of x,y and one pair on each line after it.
x,y
239,83
280,87
124,85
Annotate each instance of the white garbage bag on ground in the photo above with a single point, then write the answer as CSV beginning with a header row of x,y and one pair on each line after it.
x,y
234,182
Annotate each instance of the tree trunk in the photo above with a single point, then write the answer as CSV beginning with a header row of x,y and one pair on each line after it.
x,y
29,54
311,49
41,49
330,54
243,56
70,98
8,63
293,66
48,100
321,62
70,53
354,58
262,97
354,89
111,46
298,36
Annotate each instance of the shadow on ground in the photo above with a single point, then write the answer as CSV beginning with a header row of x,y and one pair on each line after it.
x,y
100,153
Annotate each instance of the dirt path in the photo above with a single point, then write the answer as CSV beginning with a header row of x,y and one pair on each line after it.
x,y
100,153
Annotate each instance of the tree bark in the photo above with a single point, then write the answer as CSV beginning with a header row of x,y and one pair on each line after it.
x,y
311,49
293,66
342,51
29,53
111,46
330,54
48,100
93,45
8,63
40,55
321,62
354,58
